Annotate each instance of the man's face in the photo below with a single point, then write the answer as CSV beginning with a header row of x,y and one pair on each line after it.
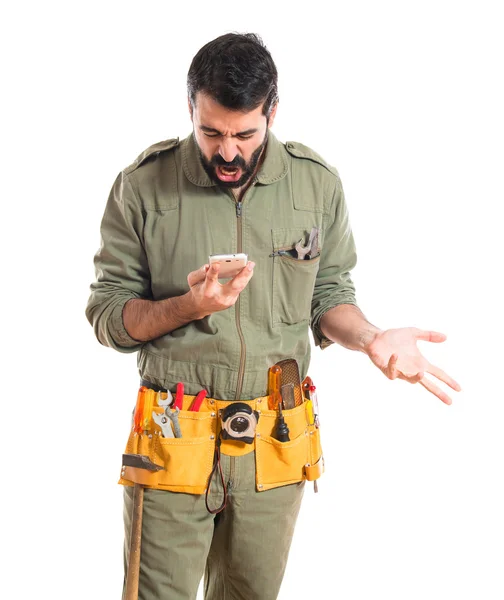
x,y
230,142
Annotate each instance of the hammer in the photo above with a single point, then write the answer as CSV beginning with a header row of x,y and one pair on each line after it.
x,y
136,461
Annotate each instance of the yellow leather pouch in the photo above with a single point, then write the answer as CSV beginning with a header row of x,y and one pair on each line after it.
x,y
283,463
186,461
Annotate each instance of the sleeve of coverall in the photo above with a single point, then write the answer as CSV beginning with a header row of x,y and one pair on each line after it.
x,y
333,285
121,266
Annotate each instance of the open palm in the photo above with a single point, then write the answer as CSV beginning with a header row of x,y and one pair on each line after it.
x,y
395,352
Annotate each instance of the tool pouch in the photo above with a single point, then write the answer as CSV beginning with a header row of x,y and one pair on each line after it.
x,y
187,461
282,463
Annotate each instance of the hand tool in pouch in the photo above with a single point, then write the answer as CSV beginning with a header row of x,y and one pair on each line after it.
x,y
310,392
282,431
312,247
274,378
170,418
139,410
313,397
164,423
149,396
179,396
311,404
306,385
174,417
287,392
239,422
163,420
132,577
307,382
309,412
198,400
290,374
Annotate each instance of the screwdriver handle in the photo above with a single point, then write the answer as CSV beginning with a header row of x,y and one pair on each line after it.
x,y
274,379
282,429
139,410
149,396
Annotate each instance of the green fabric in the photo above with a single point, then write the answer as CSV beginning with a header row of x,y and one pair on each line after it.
x,y
244,548
165,216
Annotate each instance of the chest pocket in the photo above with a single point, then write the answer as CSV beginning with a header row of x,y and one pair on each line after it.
x,y
293,279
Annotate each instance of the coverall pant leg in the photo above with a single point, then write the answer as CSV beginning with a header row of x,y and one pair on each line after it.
x,y
242,551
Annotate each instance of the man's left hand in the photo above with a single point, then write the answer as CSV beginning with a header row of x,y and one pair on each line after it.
x,y
395,352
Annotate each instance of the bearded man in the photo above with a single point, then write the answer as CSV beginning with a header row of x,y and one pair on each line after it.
x,y
220,506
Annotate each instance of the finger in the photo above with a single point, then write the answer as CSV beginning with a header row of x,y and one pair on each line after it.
x,y
392,371
247,270
196,276
212,273
412,378
440,374
434,389
429,336
240,280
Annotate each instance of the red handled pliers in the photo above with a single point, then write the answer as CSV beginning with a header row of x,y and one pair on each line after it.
x,y
198,401
179,397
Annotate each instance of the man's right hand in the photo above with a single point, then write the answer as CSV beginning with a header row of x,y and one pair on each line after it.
x,y
209,296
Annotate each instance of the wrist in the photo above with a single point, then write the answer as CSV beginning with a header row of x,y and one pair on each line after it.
x,y
187,308
367,337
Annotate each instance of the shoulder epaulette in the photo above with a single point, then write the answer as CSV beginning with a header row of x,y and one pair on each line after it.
x,y
301,151
153,150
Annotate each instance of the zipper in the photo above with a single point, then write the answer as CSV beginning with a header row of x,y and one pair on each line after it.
x,y
243,352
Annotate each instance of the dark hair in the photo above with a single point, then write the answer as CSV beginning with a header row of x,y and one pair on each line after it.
x,y
237,71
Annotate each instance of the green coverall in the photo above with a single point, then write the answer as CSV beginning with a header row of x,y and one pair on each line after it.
x,y
164,217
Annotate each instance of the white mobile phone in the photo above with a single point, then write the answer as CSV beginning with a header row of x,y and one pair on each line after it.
x,y
230,264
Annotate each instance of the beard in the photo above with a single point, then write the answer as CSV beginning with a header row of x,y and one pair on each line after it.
x,y
247,168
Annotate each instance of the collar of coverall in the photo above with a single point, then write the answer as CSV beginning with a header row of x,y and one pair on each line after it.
x,y
274,166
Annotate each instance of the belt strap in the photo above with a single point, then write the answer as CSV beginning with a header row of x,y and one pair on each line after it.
x,y
152,386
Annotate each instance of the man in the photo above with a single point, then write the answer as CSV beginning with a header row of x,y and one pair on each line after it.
x,y
231,187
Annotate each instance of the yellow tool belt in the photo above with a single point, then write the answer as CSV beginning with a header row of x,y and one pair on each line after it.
x,y
187,461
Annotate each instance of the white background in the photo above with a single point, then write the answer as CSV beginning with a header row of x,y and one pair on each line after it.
x,y
406,100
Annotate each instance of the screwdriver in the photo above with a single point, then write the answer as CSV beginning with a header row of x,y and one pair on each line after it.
x,y
282,429
149,396
274,377
139,410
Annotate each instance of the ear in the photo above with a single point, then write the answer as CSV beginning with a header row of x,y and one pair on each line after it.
x,y
190,107
272,115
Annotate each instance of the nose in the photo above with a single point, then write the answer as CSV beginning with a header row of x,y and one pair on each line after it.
x,y
228,149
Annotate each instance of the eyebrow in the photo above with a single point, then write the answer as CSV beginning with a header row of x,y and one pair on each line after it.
x,y
212,130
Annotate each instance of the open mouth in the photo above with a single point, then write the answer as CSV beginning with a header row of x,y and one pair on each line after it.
x,y
228,173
